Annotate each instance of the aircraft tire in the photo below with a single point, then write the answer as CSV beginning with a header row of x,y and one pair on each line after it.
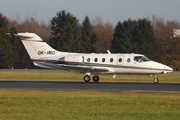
x,y
86,78
96,78
155,80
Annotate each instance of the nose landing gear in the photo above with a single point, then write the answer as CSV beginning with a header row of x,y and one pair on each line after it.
x,y
155,80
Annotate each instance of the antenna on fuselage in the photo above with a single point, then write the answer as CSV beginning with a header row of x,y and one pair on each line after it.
x,y
108,52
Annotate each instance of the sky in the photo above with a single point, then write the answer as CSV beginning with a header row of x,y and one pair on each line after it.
x,y
111,11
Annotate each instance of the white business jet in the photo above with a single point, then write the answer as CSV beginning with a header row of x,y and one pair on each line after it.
x,y
45,56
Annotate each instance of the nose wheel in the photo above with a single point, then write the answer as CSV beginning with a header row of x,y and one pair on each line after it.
x,y
155,80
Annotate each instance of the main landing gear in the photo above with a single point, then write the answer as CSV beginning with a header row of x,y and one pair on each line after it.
x,y
95,78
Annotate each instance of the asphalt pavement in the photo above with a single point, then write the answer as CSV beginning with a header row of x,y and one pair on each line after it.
x,y
101,86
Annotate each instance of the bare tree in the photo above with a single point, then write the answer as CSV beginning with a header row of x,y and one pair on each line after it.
x,y
104,32
167,47
31,24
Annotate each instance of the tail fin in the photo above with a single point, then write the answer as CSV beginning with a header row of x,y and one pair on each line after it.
x,y
35,46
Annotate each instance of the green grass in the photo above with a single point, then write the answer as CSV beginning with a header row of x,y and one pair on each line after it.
x,y
88,105
68,76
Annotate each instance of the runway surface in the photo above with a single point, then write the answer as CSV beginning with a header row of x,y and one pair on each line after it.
x,y
102,86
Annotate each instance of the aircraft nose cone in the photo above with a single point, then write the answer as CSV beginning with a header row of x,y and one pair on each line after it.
x,y
171,69
168,69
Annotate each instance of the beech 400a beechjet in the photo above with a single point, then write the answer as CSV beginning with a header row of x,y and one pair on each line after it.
x,y
45,56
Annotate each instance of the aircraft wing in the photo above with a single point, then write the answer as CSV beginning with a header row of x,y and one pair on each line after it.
x,y
83,69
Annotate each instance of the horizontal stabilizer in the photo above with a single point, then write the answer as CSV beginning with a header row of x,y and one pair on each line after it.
x,y
28,36
25,36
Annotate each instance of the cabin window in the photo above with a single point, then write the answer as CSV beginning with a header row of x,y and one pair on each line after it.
x,y
95,60
111,60
128,60
103,60
88,60
120,60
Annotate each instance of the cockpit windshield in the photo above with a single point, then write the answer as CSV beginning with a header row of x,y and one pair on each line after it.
x,y
141,59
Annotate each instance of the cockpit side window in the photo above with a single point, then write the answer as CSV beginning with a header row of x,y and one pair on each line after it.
x,y
137,58
141,59
144,58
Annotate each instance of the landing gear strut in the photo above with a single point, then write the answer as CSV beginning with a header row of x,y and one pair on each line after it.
x,y
95,78
155,80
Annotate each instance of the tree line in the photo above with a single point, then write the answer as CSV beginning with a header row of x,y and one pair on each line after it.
x,y
149,36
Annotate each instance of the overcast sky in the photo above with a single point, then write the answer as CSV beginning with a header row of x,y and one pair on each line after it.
x,y
110,11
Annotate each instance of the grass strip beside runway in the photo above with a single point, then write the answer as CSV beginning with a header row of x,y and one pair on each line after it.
x,y
68,76
89,105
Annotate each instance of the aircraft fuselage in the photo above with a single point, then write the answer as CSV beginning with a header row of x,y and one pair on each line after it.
x,y
45,56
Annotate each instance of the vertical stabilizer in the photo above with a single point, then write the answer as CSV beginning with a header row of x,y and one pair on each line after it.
x,y
36,47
